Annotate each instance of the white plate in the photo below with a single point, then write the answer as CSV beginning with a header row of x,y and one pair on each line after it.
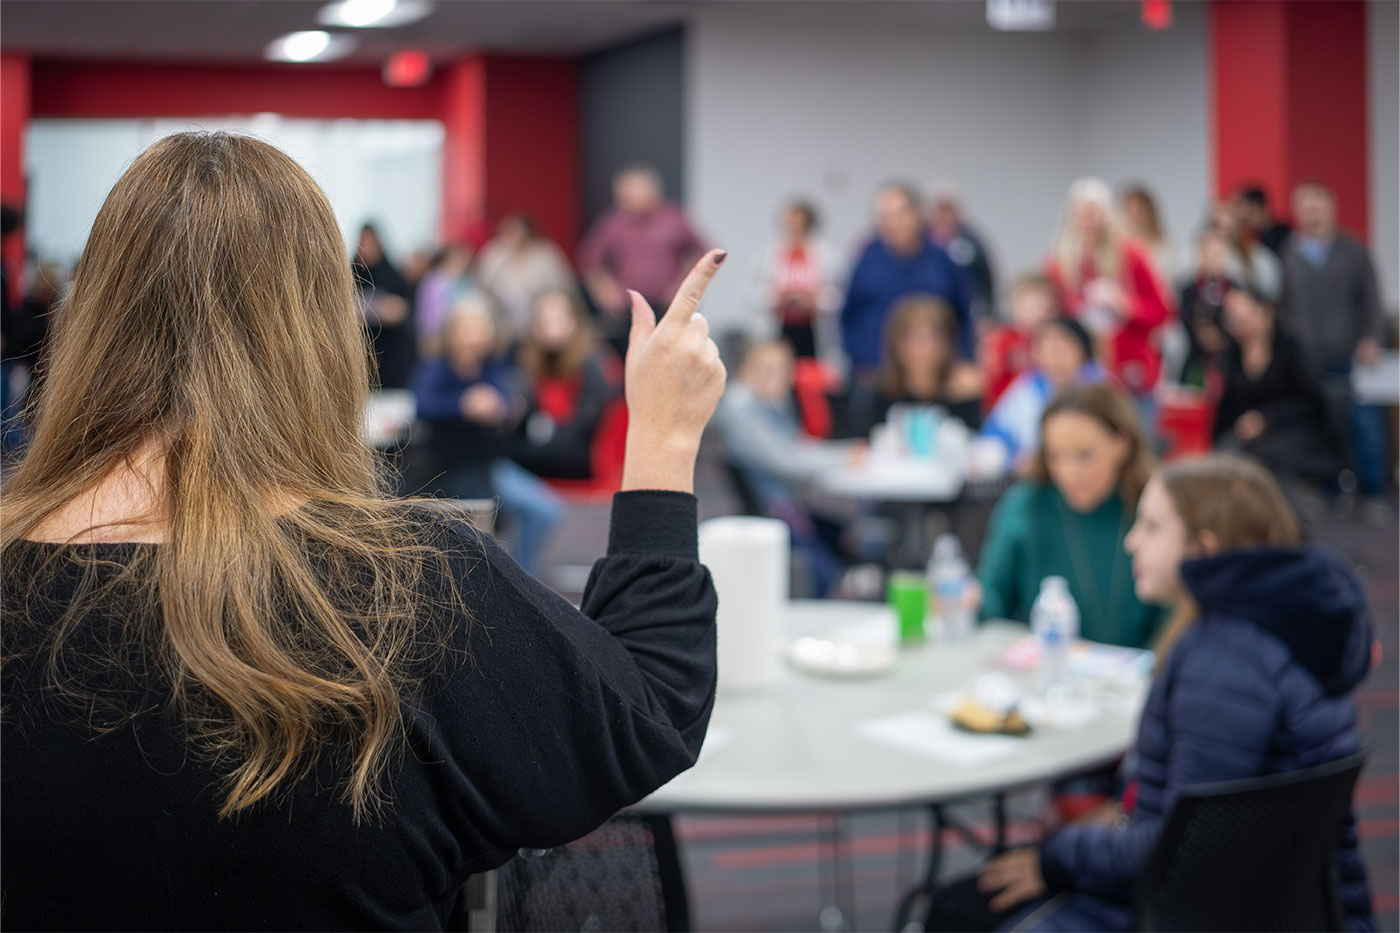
x,y
826,658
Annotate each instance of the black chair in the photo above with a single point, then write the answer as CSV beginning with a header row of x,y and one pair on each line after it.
x,y
625,876
1257,854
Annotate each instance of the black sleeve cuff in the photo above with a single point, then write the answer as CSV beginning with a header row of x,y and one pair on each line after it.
x,y
655,522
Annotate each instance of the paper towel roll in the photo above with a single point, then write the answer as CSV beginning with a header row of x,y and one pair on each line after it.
x,y
748,558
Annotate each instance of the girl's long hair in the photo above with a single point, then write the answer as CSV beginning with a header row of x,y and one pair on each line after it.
x,y
1238,502
212,320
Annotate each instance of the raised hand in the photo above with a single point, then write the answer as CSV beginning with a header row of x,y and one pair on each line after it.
x,y
674,380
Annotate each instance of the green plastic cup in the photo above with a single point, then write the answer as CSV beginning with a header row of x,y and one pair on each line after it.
x,y
908,593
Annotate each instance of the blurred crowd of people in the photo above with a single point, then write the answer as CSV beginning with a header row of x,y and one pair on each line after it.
x,y
514,353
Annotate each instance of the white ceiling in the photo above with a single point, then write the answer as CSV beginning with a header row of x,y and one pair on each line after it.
x,y
237,30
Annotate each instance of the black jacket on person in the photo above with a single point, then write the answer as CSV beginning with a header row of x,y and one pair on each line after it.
x,y
556,449
1276,237
394,349
1202,304
969,253
1300,437
545,721
26,330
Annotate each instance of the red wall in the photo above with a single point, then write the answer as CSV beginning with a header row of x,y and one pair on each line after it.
x,y
1288,82
1249,111
532,147
464,152
1327,102
510,123
14,114
96,89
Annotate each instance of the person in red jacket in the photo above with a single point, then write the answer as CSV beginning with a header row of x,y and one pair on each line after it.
x,y
1005,353
1108,283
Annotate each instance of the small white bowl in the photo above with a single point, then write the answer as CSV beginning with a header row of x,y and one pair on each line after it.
x,y
842,659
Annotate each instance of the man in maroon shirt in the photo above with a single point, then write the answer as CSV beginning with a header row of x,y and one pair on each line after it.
x,y
644,243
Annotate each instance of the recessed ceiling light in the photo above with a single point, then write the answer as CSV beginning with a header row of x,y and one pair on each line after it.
x,y
1021,15
379,13
311,45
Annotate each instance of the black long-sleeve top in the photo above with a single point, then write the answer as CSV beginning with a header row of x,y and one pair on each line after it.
x,y
1285,393
548,721
563,450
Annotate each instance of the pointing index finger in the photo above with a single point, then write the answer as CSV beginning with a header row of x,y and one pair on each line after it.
x,y
693,288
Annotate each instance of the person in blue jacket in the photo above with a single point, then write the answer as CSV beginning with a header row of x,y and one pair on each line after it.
x,y
1259,682
469,399
901,260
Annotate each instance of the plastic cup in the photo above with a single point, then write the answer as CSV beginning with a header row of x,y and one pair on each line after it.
x,y
908,594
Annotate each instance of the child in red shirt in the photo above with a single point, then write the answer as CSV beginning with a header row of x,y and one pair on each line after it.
x,y
1005,353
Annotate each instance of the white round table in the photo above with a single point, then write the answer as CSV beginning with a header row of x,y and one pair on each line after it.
x,y
817,745
928,482
806,744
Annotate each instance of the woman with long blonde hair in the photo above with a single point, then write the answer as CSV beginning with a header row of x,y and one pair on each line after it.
x,y
1110,283
1256,680
242,686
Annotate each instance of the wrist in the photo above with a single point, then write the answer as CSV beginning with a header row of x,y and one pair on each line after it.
x,y
659,461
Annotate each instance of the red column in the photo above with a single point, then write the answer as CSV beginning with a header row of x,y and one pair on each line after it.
x,y
464,151
511,145
1289,98
15,109
15,106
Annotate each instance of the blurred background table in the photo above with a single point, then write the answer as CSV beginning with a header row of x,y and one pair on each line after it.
x,y
907,490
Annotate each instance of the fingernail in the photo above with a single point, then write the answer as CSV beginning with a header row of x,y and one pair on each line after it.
x,y
720,257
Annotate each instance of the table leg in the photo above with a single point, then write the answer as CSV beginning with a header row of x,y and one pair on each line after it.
x,y
904,919
903,872
907,551
999,816
838,911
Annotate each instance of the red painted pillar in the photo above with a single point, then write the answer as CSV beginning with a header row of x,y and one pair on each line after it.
x,y
511,145
15,107
464,150
1288,98
16,103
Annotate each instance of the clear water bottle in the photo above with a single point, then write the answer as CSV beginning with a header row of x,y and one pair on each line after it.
x,y
1055,622
948,580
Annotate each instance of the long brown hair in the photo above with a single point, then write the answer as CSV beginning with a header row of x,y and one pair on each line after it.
x,y
1234,499
1112,409
1140,194
535,362
212,319
909,313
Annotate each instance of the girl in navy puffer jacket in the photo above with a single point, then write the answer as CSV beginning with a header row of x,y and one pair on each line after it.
x,y
1259,683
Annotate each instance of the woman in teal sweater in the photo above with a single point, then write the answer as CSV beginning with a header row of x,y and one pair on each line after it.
x,y
1069,518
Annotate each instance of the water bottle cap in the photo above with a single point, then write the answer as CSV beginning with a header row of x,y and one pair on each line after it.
x,y
946,548
1054,584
